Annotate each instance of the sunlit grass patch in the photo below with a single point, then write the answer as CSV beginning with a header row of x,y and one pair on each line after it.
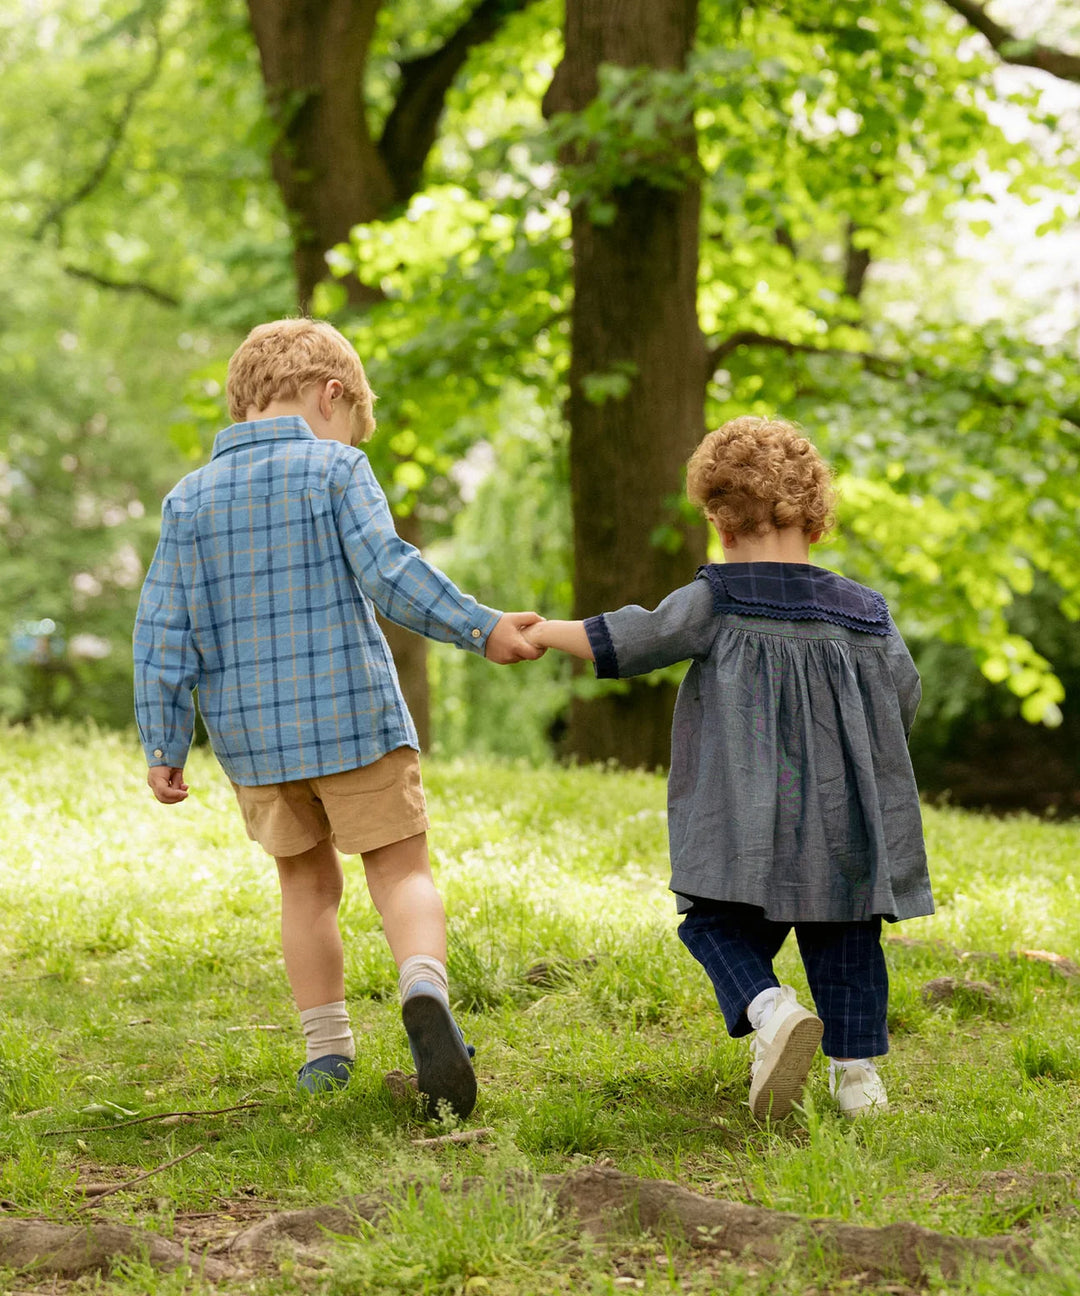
x,y
1041,1059
456,1236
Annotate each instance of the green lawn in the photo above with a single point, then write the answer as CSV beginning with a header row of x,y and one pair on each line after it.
x,y
142,975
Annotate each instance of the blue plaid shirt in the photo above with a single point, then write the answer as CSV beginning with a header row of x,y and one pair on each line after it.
x,y
260,596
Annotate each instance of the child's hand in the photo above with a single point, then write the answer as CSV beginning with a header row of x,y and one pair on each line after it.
x,y
167,784
566,636
534,634
507,643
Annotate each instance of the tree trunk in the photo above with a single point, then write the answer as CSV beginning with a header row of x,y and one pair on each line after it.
x,y
635,310
327,166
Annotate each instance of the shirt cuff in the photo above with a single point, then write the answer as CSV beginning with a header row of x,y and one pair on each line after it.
x,y
605,663
481,624
161,755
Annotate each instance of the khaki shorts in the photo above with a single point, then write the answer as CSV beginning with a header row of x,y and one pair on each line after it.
x,y
359,810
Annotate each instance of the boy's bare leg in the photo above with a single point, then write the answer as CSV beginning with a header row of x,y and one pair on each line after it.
x,y
403,891
311,888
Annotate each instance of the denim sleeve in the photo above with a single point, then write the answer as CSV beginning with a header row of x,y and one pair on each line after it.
x,y
905,679
392,573
167,665
634,641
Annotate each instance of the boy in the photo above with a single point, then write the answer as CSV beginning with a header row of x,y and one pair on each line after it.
x,y
261,595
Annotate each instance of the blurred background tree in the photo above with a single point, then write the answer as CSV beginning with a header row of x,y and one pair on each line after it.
x,y
167,183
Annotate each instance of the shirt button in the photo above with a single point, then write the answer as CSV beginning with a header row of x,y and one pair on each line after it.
x,y
476,634
158,751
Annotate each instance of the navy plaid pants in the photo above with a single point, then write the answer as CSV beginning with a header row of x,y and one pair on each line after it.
x,y
844,962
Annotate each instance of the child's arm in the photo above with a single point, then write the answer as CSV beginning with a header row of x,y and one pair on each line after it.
x,y
167,669
566,636
406,588
905,678
633,640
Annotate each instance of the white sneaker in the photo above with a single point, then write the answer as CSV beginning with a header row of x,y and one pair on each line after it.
x,y
858,1091
782,1051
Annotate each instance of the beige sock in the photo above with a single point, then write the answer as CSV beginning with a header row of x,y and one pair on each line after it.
x,y
326,1030
423,967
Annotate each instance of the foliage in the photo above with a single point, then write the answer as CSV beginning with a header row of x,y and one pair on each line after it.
x,y
829,140
520,499
132,248
143,972
827,147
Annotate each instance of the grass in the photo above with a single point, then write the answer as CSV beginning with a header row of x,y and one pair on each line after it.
x,y
143,975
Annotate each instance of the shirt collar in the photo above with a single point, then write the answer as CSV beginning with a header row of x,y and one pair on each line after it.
x,y
239,436
796,591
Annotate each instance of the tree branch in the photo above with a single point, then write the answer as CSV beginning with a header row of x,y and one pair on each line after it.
x,y
112,145
130,1183
1017,49
123,285
410,128
870,360
747,337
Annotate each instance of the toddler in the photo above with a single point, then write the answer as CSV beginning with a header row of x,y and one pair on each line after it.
x,y
791,797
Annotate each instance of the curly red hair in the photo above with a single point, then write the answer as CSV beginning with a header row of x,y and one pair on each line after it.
x,y
754,474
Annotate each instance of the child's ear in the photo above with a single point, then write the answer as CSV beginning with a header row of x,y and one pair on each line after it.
x,y
331,391
815,536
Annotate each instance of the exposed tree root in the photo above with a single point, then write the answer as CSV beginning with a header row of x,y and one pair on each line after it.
x,y
604,1198
67,1250
608,1203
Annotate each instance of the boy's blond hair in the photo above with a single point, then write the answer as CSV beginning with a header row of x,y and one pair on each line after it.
x,y
753,474
276,361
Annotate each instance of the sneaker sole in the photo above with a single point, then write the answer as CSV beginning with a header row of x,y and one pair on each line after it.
x,y
444,1073
774,1092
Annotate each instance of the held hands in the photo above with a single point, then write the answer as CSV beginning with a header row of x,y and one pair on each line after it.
x,y
167,784
508,644
566,636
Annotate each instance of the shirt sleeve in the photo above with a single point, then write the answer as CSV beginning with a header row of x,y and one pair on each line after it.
x,y
167,665
633,641
905,679
392,573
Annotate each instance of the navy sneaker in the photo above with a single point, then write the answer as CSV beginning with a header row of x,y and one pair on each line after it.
x,y
444,1071
329,1072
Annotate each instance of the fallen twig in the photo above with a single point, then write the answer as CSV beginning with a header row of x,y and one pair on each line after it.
x,y
457,1136
141,1120
130,1183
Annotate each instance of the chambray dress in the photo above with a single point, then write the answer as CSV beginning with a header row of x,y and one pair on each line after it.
x,y
791,787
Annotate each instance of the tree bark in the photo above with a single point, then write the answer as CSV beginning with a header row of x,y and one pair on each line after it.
x,y
325,162
635,306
